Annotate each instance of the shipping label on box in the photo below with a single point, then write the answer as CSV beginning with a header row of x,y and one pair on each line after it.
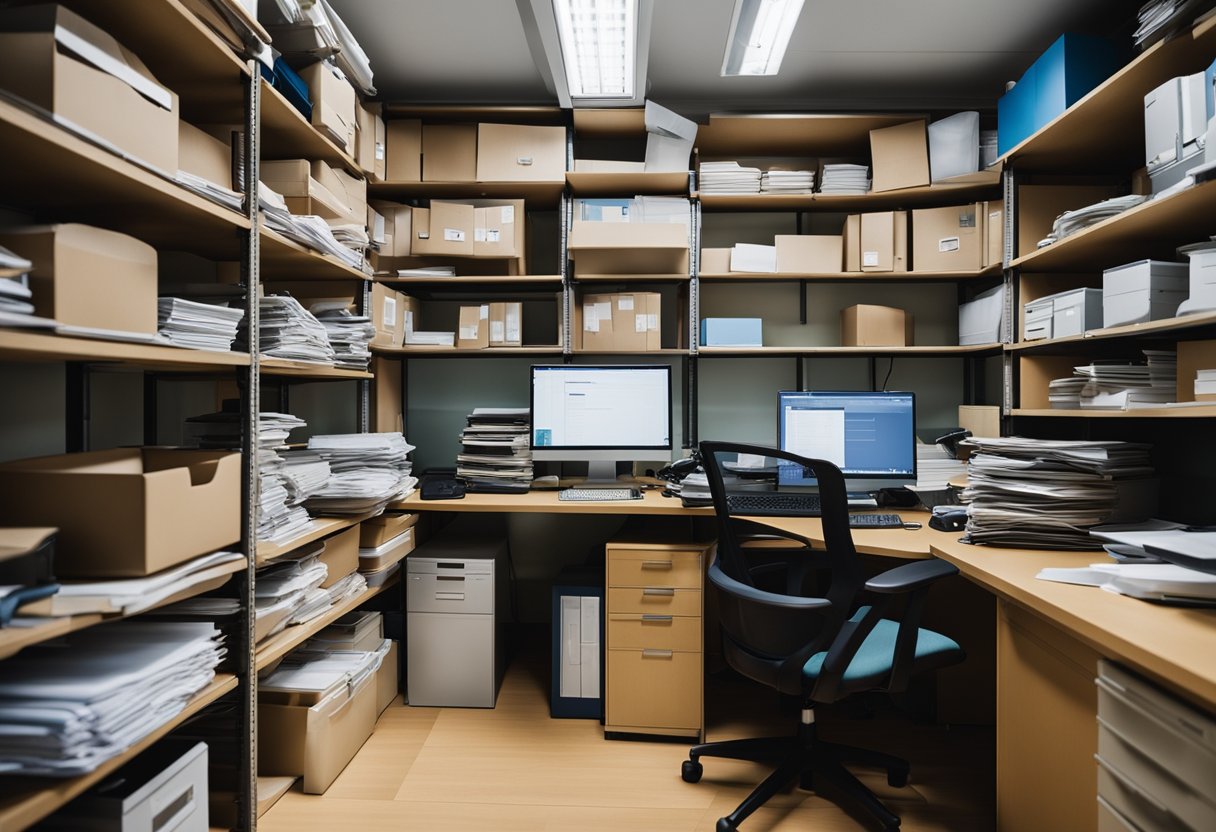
x,y
498,228
506,324
389,309
593,322
474,327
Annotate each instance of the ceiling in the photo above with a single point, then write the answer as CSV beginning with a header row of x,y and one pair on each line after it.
x,y
845,54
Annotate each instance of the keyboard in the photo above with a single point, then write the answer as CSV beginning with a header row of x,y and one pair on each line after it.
x,y
774,505
875,521
596,495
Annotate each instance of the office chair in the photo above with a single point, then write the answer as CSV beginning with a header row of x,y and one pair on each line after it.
x,y
792,619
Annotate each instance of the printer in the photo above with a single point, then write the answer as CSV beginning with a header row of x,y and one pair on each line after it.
x,y
1175,129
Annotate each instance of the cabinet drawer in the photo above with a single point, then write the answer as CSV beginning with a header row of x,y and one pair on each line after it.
x,y
655,599
653,689
656,630
638,567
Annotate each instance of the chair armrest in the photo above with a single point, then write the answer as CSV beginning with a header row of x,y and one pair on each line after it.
x,y
910,576
790,602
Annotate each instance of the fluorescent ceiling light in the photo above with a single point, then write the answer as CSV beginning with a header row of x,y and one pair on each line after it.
x,y
759,33
599,41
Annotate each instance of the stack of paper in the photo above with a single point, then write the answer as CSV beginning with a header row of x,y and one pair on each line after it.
x,y
1065,393
1046,494
15,295
787,182
728,178
66,709
1157,17
367,471
1070,222
428,271
1120,385
845,179
349,334
200,326
291,591
1205,382
207,189
496,453
934,470
304,473
323,672
289,331
310,231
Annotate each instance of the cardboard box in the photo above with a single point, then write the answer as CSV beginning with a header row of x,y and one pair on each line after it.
x,y
981,420
333,104
351,191
403,150
392,313
994,234
387,404
851,240
809,253
388,678
449,153
520,153
370,149
474,329
950,239
506,324
316,742
341,555
376,531
126,512
636,321
628,248
593,325
714,261
498,228
865,325
111,94
203,155
89,277
303,193
884,242
446,229
398,228
900,156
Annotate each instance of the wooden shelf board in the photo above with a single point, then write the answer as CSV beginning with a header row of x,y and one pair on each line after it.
x,y
671,277
1151,229
610,122
280,644
27,800
1202,412
544,194
286,134
1165,326
282,368
506,281
597,183
34,345
780,134
453,352
669,351
845,277
285,259
948,351
50,170
318,528
969,188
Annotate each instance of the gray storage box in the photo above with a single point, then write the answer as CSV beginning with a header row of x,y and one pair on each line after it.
x,y
1147,290
1036,324
979,320
1075,311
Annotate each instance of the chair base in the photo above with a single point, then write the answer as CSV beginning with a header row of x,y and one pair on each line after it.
x,y
808,761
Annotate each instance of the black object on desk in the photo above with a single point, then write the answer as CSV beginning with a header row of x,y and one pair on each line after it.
x,y
441,488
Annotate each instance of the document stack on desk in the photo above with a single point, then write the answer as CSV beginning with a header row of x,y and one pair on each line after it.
x,y
844,179
349,334
496,455
66,709
367,471
200,326
15,296
934,470
728,178
289,331
1046,494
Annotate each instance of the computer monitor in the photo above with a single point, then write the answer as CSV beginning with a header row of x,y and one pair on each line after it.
x,y
870,436
601,415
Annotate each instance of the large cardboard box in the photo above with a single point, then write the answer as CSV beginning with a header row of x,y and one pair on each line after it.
x,y
333,104
449,152
593,324
446,229
884,241
341,555
391,311
203,155
398,228
89,277
851,240
351,191
506,324
950,239
981,420
714,261
126,512
111,93
636,321
809,253
316,742
303,193
994,234
520,153
900,156
388,679
628,248
376,531
864,325
498,228
370,147
474,328
403,150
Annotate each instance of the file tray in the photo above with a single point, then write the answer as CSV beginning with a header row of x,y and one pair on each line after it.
x,y
127,512
659,248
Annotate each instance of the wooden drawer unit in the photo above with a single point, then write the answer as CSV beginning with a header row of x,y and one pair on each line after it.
x,y
654,638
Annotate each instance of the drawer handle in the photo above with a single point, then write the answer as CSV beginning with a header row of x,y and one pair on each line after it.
x,y
449,577
656,564
651,653
523,160
659,590
449,596
665,619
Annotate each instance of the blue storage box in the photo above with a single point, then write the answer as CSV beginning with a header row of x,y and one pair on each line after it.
x,y
732,332
287,81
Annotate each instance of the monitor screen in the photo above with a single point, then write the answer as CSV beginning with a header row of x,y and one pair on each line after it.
x,y
601,413
871,437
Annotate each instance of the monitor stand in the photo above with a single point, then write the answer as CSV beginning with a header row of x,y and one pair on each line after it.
x,y
602,473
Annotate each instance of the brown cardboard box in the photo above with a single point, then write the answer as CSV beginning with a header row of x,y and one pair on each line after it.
x,y
375,226
1039,205
628,248
864,325
981,420
449,153
333,104
900,156
318,741
388,680
38,64
341,555
389,309
498,228
506,324
90,277
714,261
370,144
445,229
351,191
474,329
809,253
126,512
386,406
398,228
851,240
376,531
203,155
636,321
994,233
403,150
593,323
950,239
303,193
520,153
884,241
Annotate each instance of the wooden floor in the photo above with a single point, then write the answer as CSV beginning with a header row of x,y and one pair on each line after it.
x,y
514,768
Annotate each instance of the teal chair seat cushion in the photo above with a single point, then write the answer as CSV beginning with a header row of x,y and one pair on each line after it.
x,y
872,663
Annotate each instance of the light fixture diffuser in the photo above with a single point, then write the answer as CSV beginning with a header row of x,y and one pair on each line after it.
x,y
599,41
760,31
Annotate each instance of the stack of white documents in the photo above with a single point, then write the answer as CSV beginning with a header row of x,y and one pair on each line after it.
x,y
845,179
1065,393
349,334
367,471
200,326
219,194
15,295
428,271
728,178
1154,16
496,450
304,473
291,591
290,331
1121,385
787,182
934,470
310,231
65,710
1070,222
281,514
323,672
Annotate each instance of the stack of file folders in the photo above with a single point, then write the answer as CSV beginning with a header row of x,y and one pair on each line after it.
x,y
496,454
1047,494
349,334
367,471
289,331
15,296
200,326
219,194
66,709
310,231
845,179
728,178
787,182
1070,222
1111,384
322,672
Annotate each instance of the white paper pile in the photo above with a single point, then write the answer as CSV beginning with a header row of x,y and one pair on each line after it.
x,y
845,179
1156,16
323,671
65,710
281,514
934,470
304,473
428,271
1046,494
367,471
1205,382
289,331
310,231
1070,222
787,182
291,591
349,334
496,453
200,326
219,194
1065,393
15,295
728,178
1122,385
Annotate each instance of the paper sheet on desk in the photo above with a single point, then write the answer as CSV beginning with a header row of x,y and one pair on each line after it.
x,y
1171,542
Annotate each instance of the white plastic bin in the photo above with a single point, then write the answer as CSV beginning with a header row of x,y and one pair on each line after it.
x,y
954,146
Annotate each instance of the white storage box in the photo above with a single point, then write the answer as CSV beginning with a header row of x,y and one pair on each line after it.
x,y
954,146
1202,278
1075,311
1037,323
979,320
1147,290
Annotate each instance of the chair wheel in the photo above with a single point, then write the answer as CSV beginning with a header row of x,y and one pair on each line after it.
x,y
724,825
691,771
897,778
